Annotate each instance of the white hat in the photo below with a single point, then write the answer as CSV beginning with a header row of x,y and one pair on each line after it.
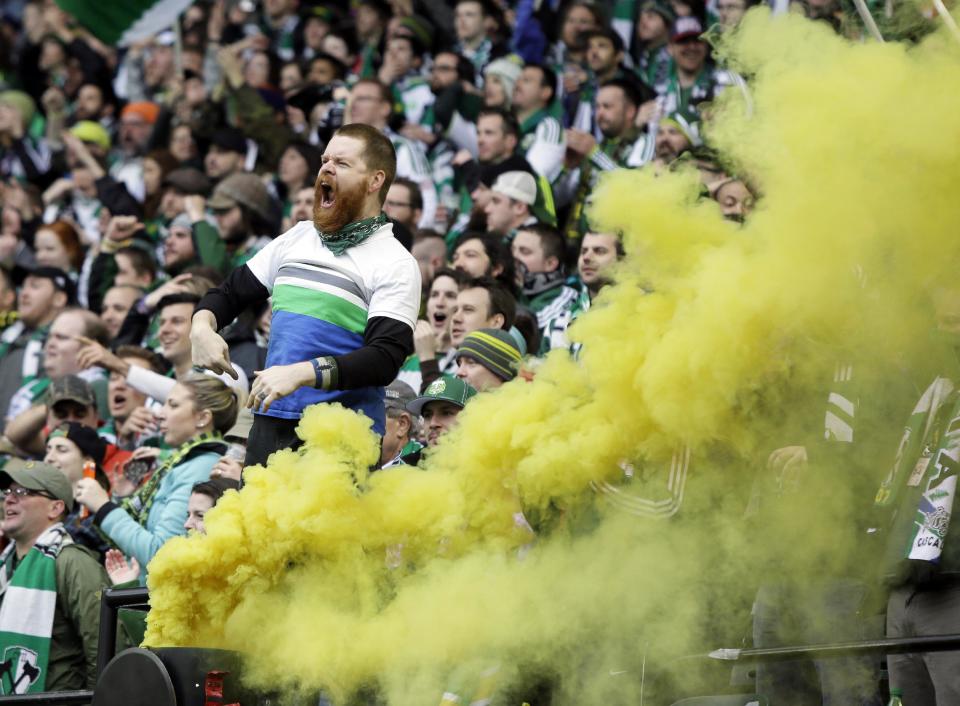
x,y
517,185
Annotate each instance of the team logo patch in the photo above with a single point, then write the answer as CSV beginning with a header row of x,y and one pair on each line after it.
x,y
18,671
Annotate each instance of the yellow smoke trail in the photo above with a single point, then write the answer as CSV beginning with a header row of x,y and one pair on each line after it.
x,y
330,577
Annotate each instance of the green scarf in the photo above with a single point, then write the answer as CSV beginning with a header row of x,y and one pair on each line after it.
x,y
921,486
29,594
138,505
352,234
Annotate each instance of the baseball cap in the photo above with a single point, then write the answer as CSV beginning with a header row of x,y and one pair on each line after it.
x,y
685,28
188,180
61,280
445,388
34,475
520,186
398,395
73,388
494,349
239,189
90,131
86,439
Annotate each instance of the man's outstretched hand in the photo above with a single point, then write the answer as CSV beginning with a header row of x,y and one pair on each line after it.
x,y
208,348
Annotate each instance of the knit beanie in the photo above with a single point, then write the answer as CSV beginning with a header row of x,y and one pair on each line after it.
x,y
494,349
508,71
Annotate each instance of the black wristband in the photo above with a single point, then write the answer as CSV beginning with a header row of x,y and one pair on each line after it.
x,y
105,510
325,372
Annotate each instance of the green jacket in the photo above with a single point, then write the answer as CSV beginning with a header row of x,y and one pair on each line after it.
x,y
76,620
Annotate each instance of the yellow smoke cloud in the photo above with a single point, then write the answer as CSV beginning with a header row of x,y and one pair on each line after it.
x,y
411,580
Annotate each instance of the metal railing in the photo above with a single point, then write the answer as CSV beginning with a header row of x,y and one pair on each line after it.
x,y
890,645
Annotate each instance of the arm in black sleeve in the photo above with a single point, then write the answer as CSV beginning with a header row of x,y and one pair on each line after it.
x,y
114,195
134,327
239,290
30,168
386,344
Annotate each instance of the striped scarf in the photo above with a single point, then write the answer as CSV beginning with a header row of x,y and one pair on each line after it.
x,y
138,505
29,594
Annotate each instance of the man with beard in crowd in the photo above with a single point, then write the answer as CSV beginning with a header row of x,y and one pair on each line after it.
x,y
675,135
598,253
538,251
244,213
345,299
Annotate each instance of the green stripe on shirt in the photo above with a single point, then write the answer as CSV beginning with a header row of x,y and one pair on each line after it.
x,y
320,305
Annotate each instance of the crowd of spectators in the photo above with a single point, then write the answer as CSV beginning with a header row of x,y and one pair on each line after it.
x,y
135,179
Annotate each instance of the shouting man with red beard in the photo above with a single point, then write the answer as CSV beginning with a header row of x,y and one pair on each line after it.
x,y
345,299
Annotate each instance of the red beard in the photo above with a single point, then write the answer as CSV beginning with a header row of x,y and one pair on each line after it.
x,y
347,207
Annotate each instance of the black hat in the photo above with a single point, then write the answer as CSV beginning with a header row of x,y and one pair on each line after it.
x,y
61,280
86,439
230,139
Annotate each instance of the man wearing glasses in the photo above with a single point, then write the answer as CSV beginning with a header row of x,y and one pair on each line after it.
x,y
49,587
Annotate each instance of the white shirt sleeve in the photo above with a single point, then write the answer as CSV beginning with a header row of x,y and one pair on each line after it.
x,y
396,292
264,264
150,383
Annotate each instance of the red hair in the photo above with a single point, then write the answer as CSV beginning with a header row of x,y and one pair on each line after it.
x,y
69,239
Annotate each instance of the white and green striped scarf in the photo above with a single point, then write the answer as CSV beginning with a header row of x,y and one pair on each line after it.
x,y
29,594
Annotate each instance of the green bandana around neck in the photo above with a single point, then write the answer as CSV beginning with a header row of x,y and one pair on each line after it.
x,y
340,241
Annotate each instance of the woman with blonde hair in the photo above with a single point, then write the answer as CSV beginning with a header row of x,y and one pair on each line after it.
x,y
195,415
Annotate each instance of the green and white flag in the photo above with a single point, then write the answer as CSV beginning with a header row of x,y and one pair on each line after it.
x,y
122,23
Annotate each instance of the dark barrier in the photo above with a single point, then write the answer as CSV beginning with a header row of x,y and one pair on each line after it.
x,y
112,600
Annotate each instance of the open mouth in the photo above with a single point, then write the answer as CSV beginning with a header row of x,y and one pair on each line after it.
x,y
119,400
327,195
439,317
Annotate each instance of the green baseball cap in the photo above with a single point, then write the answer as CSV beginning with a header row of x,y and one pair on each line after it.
x,y
34,475
445,388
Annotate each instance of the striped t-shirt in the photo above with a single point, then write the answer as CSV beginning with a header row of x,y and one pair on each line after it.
x,y
321,304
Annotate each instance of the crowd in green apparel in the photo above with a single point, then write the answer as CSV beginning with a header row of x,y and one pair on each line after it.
x,y
132,180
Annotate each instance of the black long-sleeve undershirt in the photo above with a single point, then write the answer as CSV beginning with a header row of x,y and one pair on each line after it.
x,y
386,342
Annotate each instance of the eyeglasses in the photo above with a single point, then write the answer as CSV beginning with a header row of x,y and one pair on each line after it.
x,y
21,493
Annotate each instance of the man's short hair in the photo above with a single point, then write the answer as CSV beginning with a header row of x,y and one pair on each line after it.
x,y
378,153
183,298
386,94
93,326
501,300
548,78
413,189
508,121
550,240
154,361
607,33
339,70
140,260
632,93
495,249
